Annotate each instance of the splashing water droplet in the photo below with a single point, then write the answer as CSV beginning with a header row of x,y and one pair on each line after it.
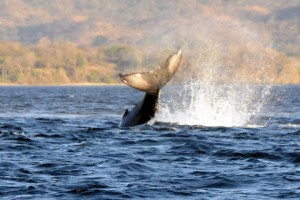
x,y
198,103
226,68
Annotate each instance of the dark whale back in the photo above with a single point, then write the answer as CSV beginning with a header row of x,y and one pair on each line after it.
x,y
142,112
150,83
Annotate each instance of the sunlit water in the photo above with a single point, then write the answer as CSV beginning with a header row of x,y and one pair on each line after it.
x,y
208,142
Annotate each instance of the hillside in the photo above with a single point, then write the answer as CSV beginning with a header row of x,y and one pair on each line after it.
x,y
77,41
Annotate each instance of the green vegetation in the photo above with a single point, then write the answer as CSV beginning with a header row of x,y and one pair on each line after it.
x,y
59,63
77,41
100,41
64,63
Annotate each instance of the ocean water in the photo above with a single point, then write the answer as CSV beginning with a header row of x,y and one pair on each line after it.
x,y
66,143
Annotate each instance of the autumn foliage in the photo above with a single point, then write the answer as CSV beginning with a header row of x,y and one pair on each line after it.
x,y
67,42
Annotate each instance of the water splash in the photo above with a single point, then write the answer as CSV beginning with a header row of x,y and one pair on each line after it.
x,y
224,62
197,103
224,90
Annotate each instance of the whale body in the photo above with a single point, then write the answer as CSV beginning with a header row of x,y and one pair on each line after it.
x,y
151,83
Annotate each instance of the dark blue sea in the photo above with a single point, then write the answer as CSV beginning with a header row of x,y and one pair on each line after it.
x,y
66,143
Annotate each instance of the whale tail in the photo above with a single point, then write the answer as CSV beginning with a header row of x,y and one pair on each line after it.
x,y
151,82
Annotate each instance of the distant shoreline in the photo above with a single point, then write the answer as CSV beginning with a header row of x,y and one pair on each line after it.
x,y
60,85
103,84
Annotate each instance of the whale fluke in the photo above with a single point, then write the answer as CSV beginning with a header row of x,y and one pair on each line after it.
x,y
146,82
151,83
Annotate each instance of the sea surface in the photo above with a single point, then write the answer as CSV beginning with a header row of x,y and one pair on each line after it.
x,y
66,143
